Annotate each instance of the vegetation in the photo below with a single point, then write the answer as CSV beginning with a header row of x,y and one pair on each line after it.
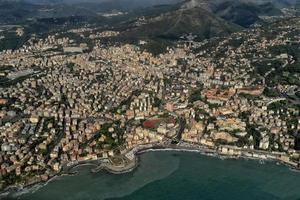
x,y
252,130
277,105
196,95
271,92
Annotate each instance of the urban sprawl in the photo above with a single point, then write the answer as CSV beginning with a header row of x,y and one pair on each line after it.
x,y
64,102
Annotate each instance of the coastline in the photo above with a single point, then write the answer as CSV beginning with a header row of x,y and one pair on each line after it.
x,y
104,164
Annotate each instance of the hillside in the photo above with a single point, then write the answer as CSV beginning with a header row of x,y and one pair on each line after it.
x,y
208,3
106,5
20,11
13,11
241,12
174,24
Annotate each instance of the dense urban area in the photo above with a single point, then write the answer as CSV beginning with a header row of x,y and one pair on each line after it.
x,y
72,96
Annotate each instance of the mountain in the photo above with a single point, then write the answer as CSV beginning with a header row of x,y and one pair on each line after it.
x,y
13,11
20,11
106,5
163,18
276,3
205,18
268,9
174,24
241,12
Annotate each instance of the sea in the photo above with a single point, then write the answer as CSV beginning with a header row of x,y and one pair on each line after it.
x,y
175,176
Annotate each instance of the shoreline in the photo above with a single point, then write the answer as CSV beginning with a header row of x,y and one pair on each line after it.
x,y
101,164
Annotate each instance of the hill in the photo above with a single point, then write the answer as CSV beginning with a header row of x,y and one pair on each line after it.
x,y
13,11
245,14
172,25
241,12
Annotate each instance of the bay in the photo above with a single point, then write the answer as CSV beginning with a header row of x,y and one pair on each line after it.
x,y
176,175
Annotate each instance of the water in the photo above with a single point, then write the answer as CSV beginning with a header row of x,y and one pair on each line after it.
x,y
177,175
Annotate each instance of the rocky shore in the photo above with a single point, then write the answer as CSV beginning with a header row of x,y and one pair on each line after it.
x,y
231,153
128,165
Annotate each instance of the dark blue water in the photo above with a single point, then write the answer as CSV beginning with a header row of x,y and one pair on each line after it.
x,y
170,175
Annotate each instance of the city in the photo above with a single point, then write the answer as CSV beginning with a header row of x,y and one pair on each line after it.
x,y
64,101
